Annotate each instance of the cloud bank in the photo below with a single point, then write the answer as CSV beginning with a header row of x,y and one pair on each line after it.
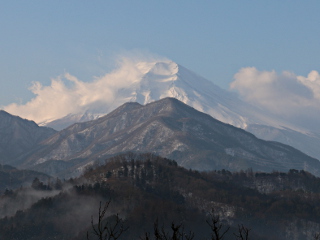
x,y
67,94
293,97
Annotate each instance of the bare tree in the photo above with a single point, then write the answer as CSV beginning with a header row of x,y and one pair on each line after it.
x,y
107,230
178,233
243,233
217,231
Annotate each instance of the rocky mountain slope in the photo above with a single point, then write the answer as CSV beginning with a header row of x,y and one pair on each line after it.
x,y
170,129
18,136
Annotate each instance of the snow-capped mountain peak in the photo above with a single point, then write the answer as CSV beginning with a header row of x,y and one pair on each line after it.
x,y
145,82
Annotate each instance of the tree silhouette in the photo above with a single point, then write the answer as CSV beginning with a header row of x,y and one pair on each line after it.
x,y
177,233
243,233
217,231
107,230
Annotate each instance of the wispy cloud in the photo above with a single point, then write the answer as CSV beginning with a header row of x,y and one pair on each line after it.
x,y
286,94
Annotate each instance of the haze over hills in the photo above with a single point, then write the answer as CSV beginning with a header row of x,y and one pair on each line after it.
x,y
145,82
145,188
170,129
12,178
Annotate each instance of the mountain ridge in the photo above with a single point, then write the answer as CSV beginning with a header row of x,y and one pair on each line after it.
x,y
18,135
170,129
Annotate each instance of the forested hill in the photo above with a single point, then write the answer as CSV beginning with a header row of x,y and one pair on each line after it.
x,y
146,188
12,178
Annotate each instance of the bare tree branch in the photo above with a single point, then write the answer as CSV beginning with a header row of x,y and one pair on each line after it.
x,y
178,233
107,230
216,226
243,233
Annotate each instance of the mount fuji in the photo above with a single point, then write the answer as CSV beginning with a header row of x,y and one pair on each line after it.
x,y
154,80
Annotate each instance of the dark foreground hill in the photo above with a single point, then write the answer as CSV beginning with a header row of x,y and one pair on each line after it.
x,y
18,136
146,188
12,178
168,128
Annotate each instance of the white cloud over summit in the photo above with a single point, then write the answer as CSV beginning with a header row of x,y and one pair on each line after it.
x,y
67,94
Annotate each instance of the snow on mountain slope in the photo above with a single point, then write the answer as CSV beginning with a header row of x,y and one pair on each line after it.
x,y
168,128
18,136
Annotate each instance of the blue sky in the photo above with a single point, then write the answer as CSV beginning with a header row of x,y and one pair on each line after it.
x,y
41,40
